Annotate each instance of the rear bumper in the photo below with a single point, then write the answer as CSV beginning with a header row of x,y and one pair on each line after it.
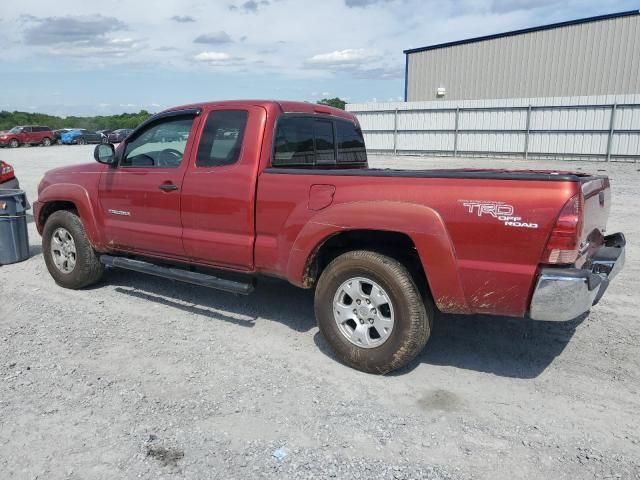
x,y
563,294
12,184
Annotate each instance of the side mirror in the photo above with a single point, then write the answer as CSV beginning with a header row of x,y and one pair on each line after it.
x,y
105,153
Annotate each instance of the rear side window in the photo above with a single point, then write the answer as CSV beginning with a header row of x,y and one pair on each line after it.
x,y
294,142
222,137
310,141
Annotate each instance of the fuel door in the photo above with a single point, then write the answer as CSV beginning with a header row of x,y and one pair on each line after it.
x,y
321,196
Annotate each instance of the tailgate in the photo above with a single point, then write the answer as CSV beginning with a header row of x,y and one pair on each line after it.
x,y
596,192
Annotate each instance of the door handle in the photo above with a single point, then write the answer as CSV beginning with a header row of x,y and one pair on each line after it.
x,y
168,187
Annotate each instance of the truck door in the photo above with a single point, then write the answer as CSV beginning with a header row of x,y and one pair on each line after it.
x,y
218,194
140,197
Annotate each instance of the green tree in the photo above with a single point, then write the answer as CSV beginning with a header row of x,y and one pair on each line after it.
x,y
336,102
9,120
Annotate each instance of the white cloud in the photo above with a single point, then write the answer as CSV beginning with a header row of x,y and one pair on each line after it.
x,y
218,59
349,56
213,57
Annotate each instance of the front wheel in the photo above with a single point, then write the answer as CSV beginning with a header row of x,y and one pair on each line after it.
x,y
81,141
14,143
68,254
371,312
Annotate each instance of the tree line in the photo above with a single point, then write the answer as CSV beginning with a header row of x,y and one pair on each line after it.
x,y
9,120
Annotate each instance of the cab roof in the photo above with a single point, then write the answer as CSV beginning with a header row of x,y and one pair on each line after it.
x,y
284,106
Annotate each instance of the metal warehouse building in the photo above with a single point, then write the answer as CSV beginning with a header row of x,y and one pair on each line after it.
x,y
587,57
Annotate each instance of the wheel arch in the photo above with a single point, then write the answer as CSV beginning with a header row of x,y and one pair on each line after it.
x,y
72,198
413,234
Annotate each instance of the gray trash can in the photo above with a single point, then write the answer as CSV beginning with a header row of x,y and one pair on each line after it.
x,y
14,238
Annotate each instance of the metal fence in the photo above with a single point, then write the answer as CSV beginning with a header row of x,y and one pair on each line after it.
x,y
607,131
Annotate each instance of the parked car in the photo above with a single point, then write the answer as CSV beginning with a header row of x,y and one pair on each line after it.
x,y
7,176
105,134
27,135
57,134
119,135
82,137
288,193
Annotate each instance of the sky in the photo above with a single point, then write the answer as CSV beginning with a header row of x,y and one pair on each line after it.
x,y
81,57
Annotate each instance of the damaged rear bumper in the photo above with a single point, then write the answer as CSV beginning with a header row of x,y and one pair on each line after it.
x,y
563,294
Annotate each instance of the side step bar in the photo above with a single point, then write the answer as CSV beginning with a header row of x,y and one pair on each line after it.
x,y
178,274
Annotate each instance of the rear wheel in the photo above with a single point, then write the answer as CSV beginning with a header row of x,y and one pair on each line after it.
x,y
46,141
14,143
371,311
68,254
81,141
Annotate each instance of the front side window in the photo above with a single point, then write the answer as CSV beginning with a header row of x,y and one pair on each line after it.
x,y
221,141
160,145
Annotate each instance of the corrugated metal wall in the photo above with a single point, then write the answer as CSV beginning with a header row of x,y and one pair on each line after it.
x,y
604,127
601,57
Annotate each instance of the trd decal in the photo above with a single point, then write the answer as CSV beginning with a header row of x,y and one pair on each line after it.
x,y
501,211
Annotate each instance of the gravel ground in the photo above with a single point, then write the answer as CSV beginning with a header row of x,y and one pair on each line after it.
x,y
142,377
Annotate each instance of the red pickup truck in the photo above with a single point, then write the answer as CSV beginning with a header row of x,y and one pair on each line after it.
x,y
27,135
218,194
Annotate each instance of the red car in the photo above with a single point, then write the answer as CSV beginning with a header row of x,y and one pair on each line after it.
x,y
27,135
7,176
283,189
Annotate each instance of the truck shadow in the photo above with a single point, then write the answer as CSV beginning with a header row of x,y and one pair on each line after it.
x,y
273,299
507,347
503,346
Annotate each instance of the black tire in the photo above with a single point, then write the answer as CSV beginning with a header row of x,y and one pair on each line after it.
x,y
104,140
81,141
88,269
413,312
46,141
14,143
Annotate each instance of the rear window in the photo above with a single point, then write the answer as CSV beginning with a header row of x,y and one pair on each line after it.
x,y
303,141
351,148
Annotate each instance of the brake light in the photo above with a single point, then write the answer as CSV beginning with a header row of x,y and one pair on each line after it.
x,y
563,246
6,172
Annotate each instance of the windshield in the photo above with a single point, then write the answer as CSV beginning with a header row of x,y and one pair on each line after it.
x,y
16,130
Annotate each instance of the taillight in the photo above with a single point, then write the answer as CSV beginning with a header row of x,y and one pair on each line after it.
x,y
6,172
563,246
